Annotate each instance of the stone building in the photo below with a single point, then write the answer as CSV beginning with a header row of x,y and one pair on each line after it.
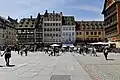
x,y
39,31
52,24
68,30
26,31
111,12
8,31
89,31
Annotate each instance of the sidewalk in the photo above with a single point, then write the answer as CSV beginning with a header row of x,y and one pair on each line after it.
x,y
99,68
40,66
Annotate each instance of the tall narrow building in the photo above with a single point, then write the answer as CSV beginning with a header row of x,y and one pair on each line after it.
x,y
68,30
52,24
111,12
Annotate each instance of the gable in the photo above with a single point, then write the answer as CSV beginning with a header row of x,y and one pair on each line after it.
x,y
107,4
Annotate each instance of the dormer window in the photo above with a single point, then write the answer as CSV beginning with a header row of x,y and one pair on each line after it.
x,y
25,25
20,26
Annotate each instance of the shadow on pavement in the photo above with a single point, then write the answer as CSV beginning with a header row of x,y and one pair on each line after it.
x,y
110,59
11,65
1,66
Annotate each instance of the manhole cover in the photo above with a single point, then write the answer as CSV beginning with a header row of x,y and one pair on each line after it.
x,y
60,77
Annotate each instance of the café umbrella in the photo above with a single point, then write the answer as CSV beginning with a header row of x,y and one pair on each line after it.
x,y
55,45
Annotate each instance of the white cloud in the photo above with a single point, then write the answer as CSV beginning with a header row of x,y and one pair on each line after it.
x,y
88,8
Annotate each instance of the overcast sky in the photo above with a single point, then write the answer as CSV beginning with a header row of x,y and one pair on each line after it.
x,y
81,9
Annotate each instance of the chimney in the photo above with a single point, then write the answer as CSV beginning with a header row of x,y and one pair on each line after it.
x,y
30,17
53,12
46,11
16,20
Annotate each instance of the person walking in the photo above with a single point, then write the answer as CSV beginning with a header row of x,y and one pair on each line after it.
x,y
106,53
7,54
26,51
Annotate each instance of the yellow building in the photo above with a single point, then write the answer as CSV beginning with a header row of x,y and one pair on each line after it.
x,y
89,31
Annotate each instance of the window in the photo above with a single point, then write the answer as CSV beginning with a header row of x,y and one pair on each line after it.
x,y
56,35
27,22
32,22
45,24
95,33
99,33
59,24
44,34
73,28
19,31
99,39
53,24
73,34
50,29
56,24
31,25
63,28
53,34
91,38
20,26
66,33
63,33
91,33
66,28
69,33
80,33
50,24
3,35
77,33
70,28
56,29
87,33
53,29
25,25
48,34
95,39
44,29
59,29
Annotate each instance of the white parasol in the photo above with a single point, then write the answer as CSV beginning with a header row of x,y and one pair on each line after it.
x,y
55,45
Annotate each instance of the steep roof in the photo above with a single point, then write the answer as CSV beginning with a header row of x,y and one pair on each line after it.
x,y
80,25
108,3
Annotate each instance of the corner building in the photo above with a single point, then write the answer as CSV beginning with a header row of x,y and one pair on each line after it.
x,y
111,12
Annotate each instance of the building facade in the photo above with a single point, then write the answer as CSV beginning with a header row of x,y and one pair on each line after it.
x,y
68,30
8,31
38,33
26,31
52,24
89,31
111,14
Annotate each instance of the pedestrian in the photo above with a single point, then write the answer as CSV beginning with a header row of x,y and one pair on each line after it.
x,y
26,51
94,51
106,53
7,54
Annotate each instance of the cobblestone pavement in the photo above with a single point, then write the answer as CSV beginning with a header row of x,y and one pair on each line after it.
x,y
100,69
40,66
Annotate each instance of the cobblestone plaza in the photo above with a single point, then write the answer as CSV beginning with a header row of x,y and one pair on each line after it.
x,y
71,66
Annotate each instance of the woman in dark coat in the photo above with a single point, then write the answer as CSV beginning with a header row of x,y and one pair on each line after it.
x,y
7,54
